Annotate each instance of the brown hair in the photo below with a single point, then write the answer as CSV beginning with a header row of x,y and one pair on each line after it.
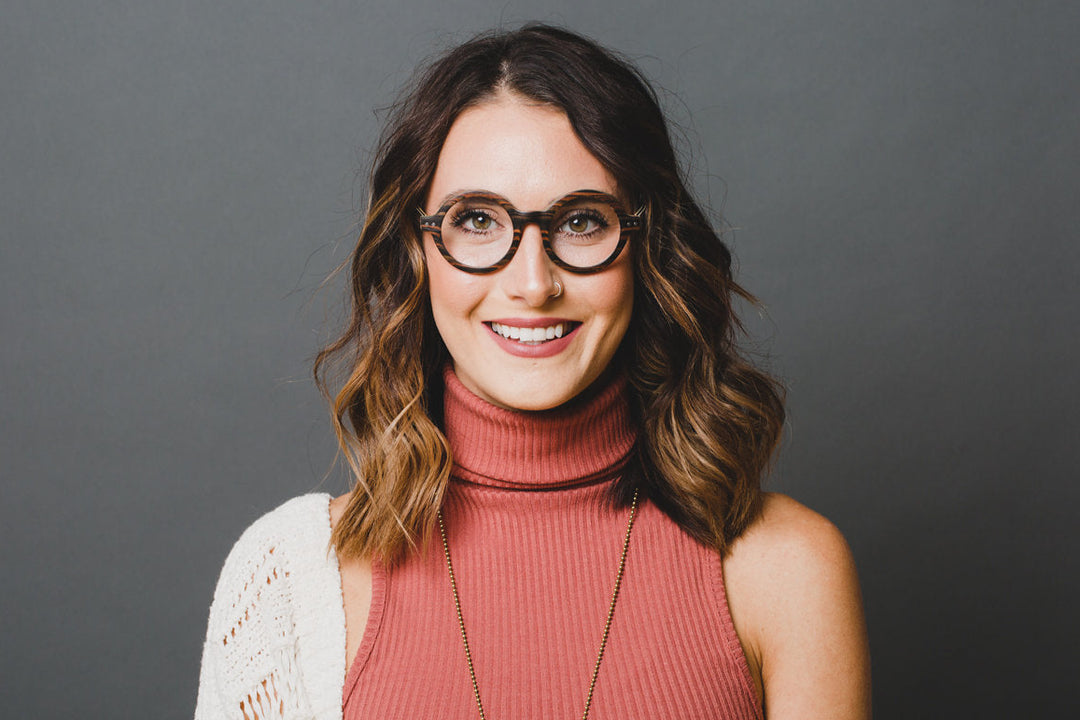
x,y
709,420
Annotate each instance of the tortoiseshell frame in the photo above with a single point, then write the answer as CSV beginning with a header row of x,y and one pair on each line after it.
x,y
540,218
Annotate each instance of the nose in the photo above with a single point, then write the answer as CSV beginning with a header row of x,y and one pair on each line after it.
x,y
530,275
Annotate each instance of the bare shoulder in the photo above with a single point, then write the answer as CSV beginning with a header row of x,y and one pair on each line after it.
x,y
789,543
337,508
794,597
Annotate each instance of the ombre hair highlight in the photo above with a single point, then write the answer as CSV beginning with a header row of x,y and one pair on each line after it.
x,y
709,421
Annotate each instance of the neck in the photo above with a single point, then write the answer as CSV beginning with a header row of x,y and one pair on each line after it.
x,y
587,440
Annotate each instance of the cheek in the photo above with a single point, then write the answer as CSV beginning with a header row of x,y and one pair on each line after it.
x,y
437,280
622,290
440,286
453,293
614,301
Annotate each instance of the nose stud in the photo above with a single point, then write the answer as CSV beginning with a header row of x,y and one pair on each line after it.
x,y
558,289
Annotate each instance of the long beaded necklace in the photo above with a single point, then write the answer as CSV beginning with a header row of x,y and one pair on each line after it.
x,y
607,624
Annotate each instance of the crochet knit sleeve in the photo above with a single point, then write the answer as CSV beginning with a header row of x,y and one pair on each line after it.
x,y
275,640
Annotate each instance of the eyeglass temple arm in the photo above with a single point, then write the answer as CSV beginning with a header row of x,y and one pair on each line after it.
x,y
431,223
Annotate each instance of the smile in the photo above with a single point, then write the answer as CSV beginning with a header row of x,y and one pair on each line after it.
x,y
533,335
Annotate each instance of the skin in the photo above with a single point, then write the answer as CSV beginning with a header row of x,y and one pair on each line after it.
x,y
794,599
529,154
790,578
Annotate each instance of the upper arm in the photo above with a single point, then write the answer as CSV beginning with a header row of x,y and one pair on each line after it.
x,y
252,665
794,596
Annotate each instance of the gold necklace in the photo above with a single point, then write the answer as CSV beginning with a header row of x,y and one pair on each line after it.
x,y
607,624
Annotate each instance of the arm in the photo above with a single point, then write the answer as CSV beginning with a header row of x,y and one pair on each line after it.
x,y
794,598
208,702
275,640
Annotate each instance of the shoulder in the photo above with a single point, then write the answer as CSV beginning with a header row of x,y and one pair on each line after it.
x,y
789,544
304,518
277,613
304,514
295,530
794,596
790,561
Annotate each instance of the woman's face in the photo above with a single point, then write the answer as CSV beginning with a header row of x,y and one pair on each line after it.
x,y
528,154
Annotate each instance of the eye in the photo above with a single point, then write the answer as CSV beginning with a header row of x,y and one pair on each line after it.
x,y
582,222
474,220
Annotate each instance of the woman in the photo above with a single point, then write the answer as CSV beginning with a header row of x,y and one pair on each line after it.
x,y
556,446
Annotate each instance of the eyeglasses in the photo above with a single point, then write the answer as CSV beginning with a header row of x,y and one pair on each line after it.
x,y
479,232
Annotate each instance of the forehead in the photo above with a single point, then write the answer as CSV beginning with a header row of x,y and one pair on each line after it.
x,y
526,152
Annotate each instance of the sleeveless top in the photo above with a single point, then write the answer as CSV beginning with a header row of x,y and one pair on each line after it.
x,y
535,547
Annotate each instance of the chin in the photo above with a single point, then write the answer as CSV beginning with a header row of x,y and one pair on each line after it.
x,y
527,397
531,402
532,389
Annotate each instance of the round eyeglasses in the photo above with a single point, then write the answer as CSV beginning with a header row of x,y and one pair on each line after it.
x,y
479,232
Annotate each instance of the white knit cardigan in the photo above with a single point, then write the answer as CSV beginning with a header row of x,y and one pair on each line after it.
x,y
275,641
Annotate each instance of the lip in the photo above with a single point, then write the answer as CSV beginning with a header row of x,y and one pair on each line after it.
x,y
531,322
541,350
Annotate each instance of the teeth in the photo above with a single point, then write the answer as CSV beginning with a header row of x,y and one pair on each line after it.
x,y
530,335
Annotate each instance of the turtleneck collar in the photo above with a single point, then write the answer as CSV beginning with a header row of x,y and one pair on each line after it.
x,y
585,440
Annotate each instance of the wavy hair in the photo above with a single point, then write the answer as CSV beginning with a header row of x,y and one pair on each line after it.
x,y
709,421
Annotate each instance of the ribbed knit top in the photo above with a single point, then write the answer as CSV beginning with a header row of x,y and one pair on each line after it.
x,y
535,548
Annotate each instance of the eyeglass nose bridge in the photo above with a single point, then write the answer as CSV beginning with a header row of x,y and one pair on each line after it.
x,y
540,218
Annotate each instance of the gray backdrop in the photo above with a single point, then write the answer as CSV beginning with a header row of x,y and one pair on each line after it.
x,y
178,177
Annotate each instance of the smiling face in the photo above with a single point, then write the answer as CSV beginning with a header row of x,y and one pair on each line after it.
x,y
528,154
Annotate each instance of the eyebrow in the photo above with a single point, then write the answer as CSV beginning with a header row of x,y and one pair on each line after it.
x,y
468,191
480,191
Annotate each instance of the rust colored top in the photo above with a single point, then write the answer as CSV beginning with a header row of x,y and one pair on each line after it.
x,y
535,548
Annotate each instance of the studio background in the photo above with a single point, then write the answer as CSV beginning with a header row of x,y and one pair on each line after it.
x,y
179,177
